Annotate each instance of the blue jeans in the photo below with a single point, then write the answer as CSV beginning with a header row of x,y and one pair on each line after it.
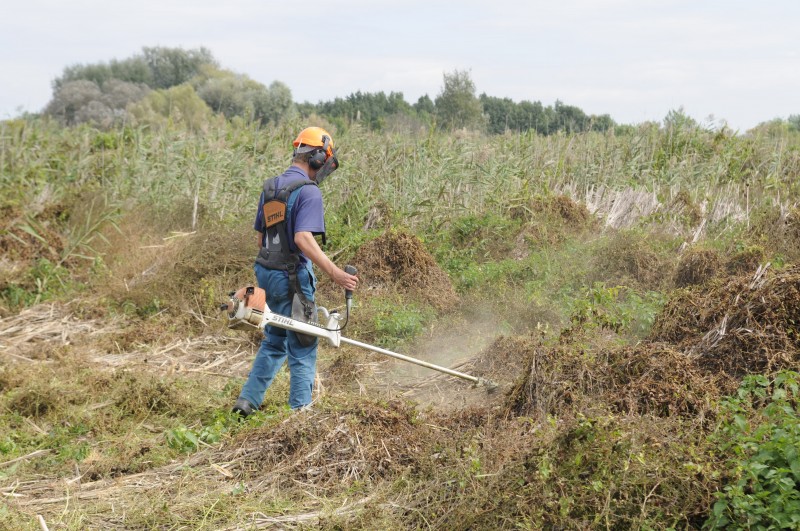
x,y
280,344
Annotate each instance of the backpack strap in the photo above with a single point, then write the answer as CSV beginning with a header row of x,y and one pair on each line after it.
x,y
277,252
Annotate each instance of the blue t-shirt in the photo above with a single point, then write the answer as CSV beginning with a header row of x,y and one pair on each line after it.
x,y
306,215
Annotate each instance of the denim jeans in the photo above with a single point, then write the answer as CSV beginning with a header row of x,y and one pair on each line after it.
x,y
280,344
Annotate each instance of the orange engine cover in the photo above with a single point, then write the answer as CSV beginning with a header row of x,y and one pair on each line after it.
x,y
252,297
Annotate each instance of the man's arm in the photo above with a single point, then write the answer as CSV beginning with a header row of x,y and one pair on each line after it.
x,y
260,239
306,242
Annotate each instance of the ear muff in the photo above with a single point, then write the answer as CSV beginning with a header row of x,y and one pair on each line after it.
x,y
317,159
320,155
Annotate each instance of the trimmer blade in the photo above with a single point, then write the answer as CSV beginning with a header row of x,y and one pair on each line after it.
x,y
490,386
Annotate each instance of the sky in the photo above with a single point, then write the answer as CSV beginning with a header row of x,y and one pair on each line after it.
x,y
734,62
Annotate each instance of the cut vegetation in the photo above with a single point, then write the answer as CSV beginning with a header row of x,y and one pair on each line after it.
x,y
639,310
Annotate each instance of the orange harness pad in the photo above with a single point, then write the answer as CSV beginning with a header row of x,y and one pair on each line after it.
x,y
274,212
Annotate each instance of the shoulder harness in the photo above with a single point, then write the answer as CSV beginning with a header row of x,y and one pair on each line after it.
x,y
276,252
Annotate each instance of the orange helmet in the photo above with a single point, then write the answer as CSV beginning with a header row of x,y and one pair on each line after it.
x,y
312,138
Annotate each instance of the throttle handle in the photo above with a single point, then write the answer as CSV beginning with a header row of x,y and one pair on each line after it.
x,y
350,270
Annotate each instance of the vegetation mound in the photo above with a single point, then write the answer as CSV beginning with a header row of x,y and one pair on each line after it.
x,y
188,272
399,261
707,338
658,379
632,258
504,358
548,220
27,241
740,325
573,214
362,442
697,266
646,379
745,261
777,228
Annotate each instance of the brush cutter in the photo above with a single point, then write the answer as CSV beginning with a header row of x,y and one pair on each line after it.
x,y
247,309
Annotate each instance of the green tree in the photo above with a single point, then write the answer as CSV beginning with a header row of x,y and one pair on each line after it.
x,y
237,95
603,122
532,115
173,66
83,100
100,92
501,114
570,119
370,108
457,106
424,106
132,70
274,104
96,73
229,93
70,98
118,94
179,105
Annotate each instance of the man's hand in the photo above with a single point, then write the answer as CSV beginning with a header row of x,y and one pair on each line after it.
x,y
344,279
305,242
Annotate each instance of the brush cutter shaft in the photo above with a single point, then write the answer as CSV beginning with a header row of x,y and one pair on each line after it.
x,y
409,359
246,314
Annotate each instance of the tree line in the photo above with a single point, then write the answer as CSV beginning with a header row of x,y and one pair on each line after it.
x,y
162,84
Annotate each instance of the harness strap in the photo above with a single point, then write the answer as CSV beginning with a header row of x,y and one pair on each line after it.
x,y
277,253
279,256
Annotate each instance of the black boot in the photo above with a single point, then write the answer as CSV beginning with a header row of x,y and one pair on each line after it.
x,y
242,407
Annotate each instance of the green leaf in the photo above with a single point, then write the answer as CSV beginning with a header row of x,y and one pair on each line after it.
x,y
192,438
29,230
794,465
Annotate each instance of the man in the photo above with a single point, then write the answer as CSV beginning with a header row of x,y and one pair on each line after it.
x,y
290,215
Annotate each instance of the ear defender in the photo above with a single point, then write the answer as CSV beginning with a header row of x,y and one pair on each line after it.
x,y
320,155
317,159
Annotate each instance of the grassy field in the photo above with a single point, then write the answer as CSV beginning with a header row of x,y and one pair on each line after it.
x,y
635,296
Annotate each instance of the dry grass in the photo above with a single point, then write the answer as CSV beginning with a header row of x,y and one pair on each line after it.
x,y
583,413
587,430
399,261
633,258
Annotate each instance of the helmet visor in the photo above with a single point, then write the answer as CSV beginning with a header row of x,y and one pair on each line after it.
x,y
331,164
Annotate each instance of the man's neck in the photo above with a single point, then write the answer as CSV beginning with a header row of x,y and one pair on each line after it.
x,y
307,169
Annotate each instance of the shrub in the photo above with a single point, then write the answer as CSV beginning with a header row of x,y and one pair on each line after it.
x,y
760,431
180,105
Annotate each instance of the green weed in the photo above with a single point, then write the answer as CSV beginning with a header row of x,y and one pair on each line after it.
x,y
759,438
396,322
43,281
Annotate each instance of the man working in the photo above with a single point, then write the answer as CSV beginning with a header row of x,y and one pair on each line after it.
x,y
290,214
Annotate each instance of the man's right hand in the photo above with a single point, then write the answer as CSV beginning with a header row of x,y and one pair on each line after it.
x,y
344,279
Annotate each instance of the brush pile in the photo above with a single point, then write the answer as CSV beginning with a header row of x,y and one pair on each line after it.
x,y
739,325
398,261
706,339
